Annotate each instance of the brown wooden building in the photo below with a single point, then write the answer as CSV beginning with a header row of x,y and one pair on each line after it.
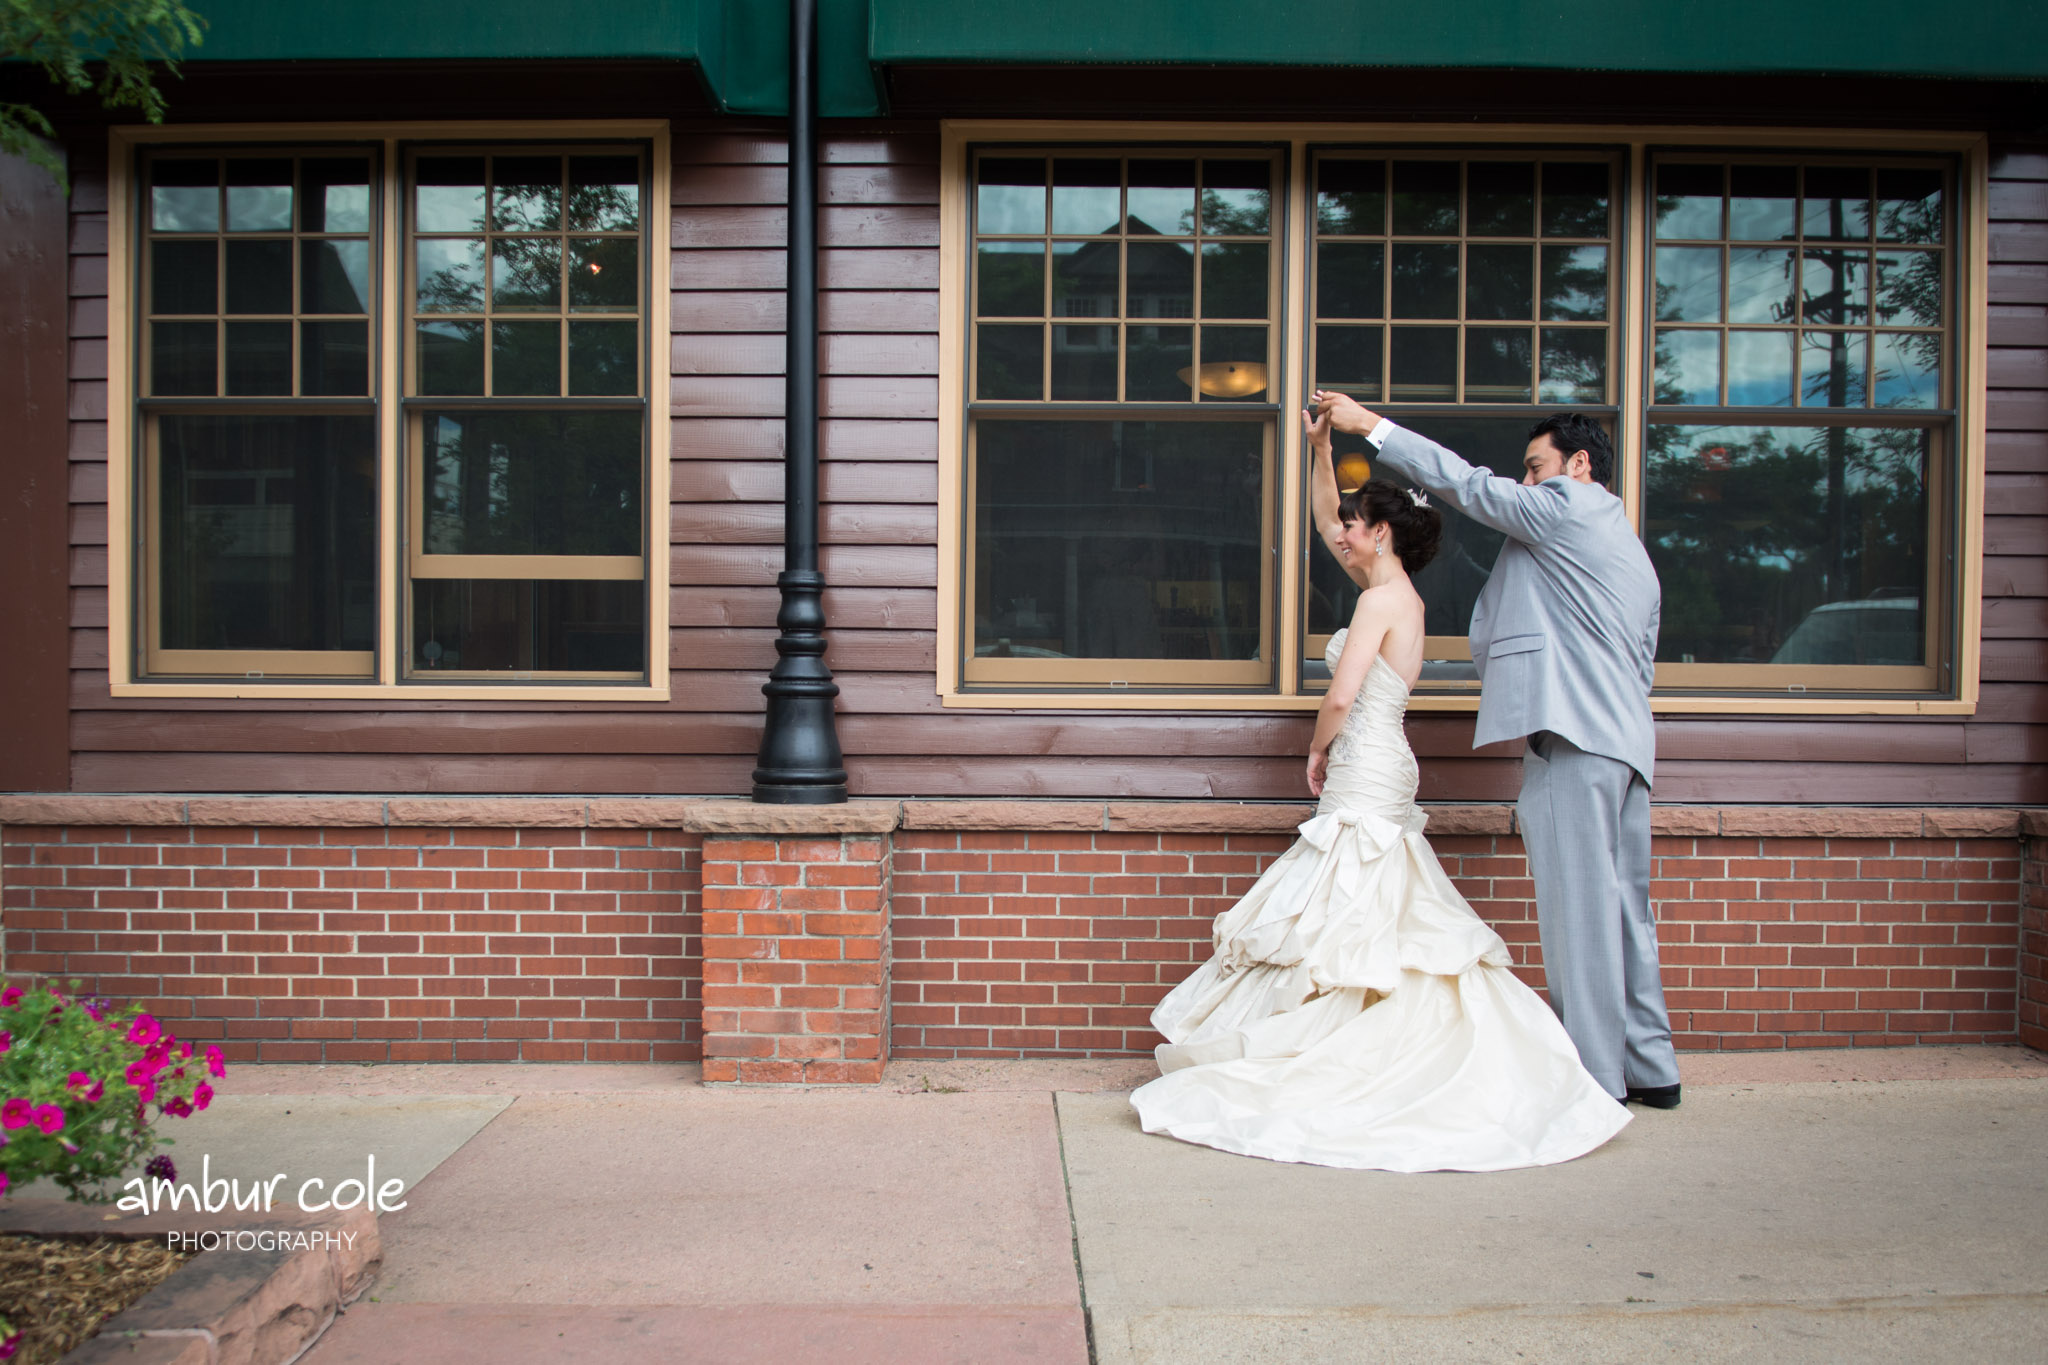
x,y
391,590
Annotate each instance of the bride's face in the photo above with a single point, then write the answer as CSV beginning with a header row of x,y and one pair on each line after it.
x,y
1356,542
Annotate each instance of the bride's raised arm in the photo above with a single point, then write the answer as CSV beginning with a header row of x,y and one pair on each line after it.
x,y
1322,491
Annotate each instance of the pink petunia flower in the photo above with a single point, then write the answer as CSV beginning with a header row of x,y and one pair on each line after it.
x,y
6,1040
184,1052
144,1094
178,1108
202,1095
16,1113
214,1065
144,1030
49,1117
4,1182
139,1073
84,1086
9,996
10,1346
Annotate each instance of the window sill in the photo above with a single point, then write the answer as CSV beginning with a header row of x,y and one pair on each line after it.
x,y
1662,706
329,691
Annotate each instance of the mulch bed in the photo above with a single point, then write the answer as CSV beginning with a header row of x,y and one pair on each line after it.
x,y
58,1290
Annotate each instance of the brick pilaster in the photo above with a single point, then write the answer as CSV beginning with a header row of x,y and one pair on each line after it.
x,y
2033,986
796,958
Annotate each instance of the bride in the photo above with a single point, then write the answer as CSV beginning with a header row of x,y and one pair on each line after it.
x,y
1357,1012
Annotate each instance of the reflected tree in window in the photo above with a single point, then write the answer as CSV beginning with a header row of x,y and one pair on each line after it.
x,y
1789,545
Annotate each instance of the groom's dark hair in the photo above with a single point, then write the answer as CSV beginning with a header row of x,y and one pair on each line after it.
x,y
1572,432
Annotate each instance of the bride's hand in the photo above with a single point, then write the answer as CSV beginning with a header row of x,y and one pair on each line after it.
x,y
1318,771
1317,429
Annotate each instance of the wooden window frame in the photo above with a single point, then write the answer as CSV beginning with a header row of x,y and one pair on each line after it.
x,y
1940,422
1458,648
1631,335
1167,677
130,591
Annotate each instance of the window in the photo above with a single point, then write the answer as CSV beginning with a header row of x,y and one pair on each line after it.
x,y
1797,459
349,350
1770,338
260,442
1122,441
1455,294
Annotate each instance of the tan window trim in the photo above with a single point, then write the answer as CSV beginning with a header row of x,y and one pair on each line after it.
x,y
126,604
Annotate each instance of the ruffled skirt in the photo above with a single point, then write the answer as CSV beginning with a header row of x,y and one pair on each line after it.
x,y
1358,1013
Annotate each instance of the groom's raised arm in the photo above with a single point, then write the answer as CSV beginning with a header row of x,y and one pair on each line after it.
x,y
1514,509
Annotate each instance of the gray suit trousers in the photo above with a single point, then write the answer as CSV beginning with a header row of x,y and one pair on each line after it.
x,y
1585,822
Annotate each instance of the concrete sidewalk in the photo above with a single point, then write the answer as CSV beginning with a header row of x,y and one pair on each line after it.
x,y
1870,1206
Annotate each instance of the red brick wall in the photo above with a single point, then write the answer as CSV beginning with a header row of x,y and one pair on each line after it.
x,y
2033,983
373,944
796,959
338,943
1053,944
1011,944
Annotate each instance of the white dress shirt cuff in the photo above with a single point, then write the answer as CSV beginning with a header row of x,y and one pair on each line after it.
x,y
1378,435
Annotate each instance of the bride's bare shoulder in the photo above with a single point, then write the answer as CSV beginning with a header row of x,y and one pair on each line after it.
x,y
1389,603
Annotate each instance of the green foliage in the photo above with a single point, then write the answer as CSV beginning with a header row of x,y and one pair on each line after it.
x,y
80,1083
68,38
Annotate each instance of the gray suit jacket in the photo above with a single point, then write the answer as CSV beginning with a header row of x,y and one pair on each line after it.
x,y
1565,632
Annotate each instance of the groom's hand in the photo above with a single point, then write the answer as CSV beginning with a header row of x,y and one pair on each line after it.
x,y
1345,413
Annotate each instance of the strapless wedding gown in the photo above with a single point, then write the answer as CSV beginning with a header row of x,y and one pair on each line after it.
x,y
1357,1012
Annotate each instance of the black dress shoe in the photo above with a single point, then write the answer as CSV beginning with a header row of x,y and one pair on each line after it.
x,y
1654,1096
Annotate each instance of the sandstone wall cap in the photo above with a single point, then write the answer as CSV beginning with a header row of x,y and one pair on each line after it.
x,y
295,811
1206,817
65,808
515,812
745,817
1814,822
1023,815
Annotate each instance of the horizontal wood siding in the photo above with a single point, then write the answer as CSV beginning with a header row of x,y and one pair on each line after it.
x,y
880,362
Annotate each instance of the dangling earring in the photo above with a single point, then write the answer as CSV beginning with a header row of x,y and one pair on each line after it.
x,y
1379,547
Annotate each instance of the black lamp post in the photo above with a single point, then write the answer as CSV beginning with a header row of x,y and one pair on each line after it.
x,y
800,763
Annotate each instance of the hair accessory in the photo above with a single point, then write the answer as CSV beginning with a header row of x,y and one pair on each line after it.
x,y
1418,497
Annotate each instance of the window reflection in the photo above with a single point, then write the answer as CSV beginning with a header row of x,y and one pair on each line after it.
x,y
1788,544
1849,306
1118,540
269,532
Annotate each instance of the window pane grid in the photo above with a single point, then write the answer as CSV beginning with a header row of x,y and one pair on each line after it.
x,y
256,273
1799,284
1123,278
1443,278
523,273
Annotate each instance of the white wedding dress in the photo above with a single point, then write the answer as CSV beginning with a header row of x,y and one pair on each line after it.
x,y
1357,1012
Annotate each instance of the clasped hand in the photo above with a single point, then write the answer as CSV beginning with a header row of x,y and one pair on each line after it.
x,y
1335,412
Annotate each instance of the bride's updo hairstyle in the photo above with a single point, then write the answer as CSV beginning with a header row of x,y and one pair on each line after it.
x,y
1416,528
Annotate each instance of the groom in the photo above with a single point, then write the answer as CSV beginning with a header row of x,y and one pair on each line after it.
x,y
1564,636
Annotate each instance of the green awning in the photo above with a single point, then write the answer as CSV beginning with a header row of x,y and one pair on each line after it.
x,y
1986,39
738,48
